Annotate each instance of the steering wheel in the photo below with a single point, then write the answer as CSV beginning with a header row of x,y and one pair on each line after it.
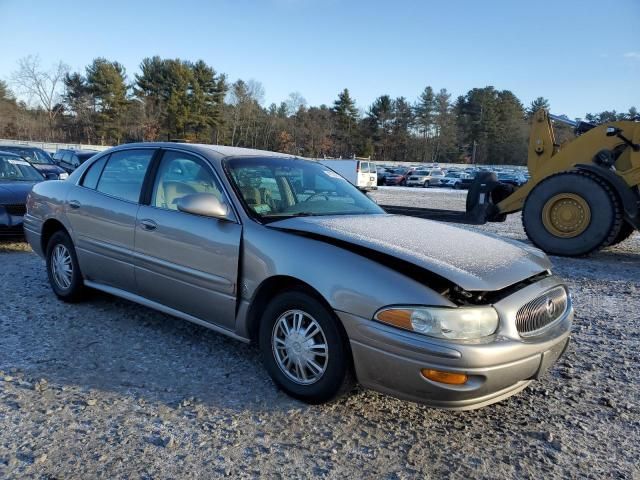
x,y
317,194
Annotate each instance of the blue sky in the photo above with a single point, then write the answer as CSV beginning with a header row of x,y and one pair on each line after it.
x,y
583,55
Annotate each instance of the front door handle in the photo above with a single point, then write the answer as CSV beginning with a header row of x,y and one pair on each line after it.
x,y
148,224
74,204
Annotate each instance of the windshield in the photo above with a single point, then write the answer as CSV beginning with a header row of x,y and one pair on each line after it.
x,y
276,188
33,155
16,169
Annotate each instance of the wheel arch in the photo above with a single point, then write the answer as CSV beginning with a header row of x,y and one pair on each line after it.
x,y
50,227
269,288
628,199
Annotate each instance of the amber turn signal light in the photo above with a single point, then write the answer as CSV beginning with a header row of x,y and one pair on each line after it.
x,y
445,377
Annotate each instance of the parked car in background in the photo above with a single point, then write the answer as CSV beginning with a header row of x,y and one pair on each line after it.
x,y
70,159
40,159
398,176
457,179
383,172
330,287
425,178
361,173
17,176
511,178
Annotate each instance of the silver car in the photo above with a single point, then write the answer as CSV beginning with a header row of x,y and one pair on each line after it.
x,y
284,252
425,178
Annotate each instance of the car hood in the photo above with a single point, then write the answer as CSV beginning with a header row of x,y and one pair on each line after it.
x,y
14,192
471,260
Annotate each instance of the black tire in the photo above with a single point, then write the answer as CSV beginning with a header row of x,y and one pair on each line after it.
x,y
426,184
473,195
605,210
457,186
626,230
75,291
337,378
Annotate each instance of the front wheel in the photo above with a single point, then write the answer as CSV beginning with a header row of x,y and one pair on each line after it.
x,y
304,349
572,214
426,184
63,269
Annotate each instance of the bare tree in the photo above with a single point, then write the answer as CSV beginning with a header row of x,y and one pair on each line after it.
x,y
43,86
295,100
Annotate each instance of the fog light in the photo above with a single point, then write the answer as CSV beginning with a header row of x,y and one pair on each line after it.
x,y
445,377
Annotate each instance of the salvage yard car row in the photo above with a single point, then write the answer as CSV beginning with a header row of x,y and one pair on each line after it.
x,y
434,175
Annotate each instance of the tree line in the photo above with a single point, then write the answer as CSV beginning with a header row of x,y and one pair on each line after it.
x,y
175,99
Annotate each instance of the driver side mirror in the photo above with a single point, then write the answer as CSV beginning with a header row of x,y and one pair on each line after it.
x,y
206,205
613,131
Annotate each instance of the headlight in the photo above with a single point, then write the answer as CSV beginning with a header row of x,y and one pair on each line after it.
x,y
462,323
63,176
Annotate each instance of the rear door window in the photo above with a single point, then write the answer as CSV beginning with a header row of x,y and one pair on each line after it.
x,y
124,174
364,167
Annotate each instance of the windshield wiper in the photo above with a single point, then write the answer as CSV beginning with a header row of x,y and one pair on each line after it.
x,y
296,214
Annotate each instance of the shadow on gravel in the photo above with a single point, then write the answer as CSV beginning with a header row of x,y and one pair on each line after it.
x,y
109,344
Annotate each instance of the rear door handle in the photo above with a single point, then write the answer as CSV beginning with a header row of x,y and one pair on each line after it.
x,y
148,224
74,204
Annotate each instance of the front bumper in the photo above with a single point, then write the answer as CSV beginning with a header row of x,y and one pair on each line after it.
x,y
389,360
10,225
416,182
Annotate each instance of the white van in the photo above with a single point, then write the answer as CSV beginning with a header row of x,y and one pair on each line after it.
x,y
361,173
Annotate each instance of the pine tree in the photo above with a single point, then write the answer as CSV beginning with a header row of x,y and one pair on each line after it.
x,y
536,105
106,81
346,121
424,118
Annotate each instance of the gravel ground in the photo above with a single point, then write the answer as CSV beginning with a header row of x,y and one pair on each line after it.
x,y
110,389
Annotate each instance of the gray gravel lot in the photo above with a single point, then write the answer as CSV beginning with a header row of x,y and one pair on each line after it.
x,y
110,389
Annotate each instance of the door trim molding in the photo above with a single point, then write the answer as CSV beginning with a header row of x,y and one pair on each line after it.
x,y
164,309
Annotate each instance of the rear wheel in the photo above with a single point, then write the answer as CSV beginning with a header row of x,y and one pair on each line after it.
x,y
63,269
304,349
572,214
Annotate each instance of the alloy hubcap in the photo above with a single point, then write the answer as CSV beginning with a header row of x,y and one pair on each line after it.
x,y
300,347
566,215
62,266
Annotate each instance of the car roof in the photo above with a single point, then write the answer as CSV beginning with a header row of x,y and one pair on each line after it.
x,y
216,152
22,147
78,150
11,154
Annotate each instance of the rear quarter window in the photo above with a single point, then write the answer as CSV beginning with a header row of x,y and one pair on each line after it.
x,y
92,175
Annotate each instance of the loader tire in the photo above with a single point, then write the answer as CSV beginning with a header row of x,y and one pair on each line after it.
x,y
572,214
625,232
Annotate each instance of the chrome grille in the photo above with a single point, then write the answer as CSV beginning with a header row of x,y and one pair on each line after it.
x,y
538,314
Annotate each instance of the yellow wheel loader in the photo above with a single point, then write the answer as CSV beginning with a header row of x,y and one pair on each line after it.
x,y
582,195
